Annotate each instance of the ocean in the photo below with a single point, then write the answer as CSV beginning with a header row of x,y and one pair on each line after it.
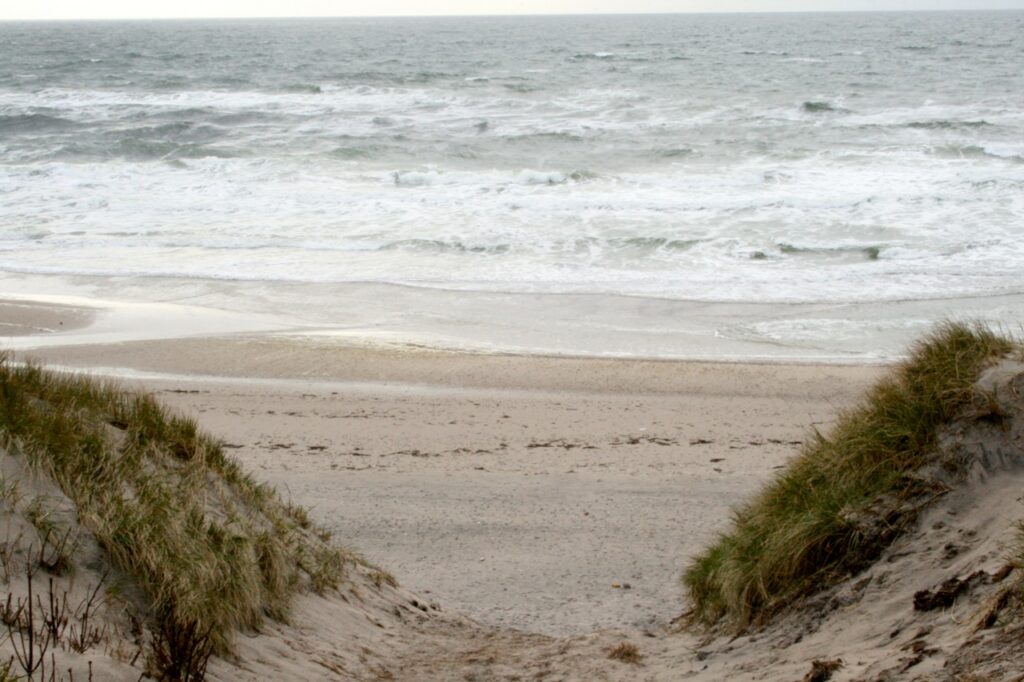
x,y
762,186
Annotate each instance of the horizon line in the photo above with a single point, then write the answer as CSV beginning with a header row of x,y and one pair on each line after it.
x,y
511,16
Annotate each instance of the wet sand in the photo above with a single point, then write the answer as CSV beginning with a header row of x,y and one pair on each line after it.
x,y
27,318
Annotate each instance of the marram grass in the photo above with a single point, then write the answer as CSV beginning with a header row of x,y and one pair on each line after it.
x,y
798,534
212,550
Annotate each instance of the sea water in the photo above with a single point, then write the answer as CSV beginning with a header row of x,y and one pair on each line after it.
x,y
816,186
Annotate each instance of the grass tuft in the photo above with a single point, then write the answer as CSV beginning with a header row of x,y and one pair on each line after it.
x,y
841,500
213,551
626,652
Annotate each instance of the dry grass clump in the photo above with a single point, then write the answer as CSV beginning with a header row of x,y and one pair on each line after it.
x,y
807,528
213,551
627,652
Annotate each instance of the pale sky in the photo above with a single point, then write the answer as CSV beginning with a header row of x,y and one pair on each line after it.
x,y
148,9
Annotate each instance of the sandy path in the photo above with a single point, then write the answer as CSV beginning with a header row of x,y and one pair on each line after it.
x,y
518,510
517,506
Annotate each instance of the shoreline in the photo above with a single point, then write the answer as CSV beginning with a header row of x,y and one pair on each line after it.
x,y
208,352
404,320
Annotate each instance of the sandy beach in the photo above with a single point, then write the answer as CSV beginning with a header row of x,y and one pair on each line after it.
x,y
555,341
516,490
537,512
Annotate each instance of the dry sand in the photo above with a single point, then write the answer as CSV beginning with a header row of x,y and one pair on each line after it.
x,y
517,490
527,493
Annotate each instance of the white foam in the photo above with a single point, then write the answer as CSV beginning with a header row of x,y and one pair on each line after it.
x,y
1005,150
535,230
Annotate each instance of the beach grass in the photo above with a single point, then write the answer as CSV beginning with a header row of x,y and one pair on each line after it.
x,y
833,509
213,551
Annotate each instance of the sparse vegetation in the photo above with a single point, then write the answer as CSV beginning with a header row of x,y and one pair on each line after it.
x,y
845,497
213,551
627,652
35,627
380,578
822,670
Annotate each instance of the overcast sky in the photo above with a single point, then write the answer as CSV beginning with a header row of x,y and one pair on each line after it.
x,y
130,9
